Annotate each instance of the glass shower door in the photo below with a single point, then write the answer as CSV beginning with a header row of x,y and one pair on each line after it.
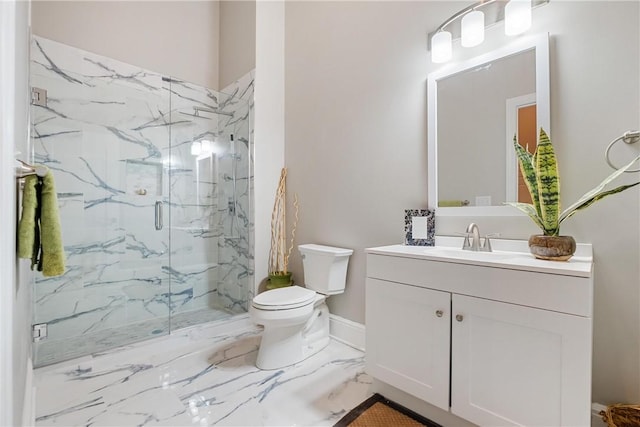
x,y
104,134
154,188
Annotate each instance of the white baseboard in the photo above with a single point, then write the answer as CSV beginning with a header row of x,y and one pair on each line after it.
x,y
596,418
29,402
347,331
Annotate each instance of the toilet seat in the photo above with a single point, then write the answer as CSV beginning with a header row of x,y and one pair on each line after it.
x,y
284,298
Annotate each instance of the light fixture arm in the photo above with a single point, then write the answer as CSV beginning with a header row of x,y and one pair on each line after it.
x,y
464,12
493,10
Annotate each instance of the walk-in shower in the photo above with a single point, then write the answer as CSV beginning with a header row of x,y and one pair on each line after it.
x,y
153,178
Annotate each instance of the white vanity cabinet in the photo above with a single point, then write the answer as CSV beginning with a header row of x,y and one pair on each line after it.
x,y
408,346
494,344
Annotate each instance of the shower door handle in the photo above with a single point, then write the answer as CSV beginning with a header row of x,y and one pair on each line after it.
x,y
159,215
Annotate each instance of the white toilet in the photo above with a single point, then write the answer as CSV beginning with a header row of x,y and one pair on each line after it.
x,y
296,319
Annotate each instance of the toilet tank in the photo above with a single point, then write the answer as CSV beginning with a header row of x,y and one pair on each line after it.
x,y
325,268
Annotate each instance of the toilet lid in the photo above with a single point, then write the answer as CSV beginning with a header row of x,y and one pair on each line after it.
x,y
284,298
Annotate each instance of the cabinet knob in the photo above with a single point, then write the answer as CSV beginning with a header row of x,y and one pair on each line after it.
x,y
459,317
439,313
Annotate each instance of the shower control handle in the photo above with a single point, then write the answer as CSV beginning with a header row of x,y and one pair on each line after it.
x,y
159,224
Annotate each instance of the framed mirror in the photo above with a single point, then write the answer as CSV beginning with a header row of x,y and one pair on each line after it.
x,y
474,110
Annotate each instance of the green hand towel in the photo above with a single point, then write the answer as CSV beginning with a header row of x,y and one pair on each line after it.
x,y
51,231
50,238
26,227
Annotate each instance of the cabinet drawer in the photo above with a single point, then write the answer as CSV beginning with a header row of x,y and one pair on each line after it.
x,y
565,294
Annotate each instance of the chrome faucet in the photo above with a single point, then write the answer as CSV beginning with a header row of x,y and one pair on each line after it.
x,y
475,232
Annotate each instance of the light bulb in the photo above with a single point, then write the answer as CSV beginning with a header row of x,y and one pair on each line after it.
x,y
441,47
472,28
517,17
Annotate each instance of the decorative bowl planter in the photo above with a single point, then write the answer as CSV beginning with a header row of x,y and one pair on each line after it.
x,y
540,170
279,280
553,248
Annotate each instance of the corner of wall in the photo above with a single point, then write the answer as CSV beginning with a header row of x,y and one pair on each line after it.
x,y
269,124
15,308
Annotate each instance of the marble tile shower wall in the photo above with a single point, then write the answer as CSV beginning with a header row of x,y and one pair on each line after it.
x,y
236,247
216,209
115,138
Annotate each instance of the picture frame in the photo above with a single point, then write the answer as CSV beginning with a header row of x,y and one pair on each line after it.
x,y
419,227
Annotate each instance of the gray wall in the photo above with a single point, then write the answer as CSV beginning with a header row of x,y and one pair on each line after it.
x,y
22,364
356,141
237,40
210,43
356,144
268,147
178,38
15,298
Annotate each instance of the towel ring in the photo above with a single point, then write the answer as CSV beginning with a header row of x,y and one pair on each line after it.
x,y
629,137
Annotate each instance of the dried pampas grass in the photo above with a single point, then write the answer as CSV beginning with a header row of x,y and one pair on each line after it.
x,y
279,253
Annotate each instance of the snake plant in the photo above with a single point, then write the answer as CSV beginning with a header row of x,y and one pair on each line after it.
x,y
540,172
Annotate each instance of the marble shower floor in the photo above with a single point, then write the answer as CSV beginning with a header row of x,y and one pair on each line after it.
x,y
53,351
201,376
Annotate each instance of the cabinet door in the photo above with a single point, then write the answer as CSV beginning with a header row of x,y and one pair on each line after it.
x,y
516,365
407,332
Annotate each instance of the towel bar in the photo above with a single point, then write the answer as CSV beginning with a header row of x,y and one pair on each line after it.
x,y
26,170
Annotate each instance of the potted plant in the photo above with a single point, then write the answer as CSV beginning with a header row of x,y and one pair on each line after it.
x,y
279,275
540,172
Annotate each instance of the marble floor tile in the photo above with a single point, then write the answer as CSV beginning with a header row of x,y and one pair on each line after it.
x,y
201,377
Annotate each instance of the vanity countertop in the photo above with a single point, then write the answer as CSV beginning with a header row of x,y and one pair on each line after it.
x,y
509,254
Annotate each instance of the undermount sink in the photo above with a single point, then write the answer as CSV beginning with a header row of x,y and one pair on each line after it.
x,y
448,252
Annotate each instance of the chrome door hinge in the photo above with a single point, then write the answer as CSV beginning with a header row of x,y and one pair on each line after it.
x,y
38,96
39,332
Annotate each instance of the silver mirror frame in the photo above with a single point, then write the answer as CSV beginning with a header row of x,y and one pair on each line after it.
x,y
543,100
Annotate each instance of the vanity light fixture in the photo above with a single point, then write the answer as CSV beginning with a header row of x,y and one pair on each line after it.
x,y
441,47
472,29
469,24
517,17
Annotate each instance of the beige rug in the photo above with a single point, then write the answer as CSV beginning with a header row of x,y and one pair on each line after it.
x,y
380,412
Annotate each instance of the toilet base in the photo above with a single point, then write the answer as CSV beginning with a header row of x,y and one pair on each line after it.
x,y
287,345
